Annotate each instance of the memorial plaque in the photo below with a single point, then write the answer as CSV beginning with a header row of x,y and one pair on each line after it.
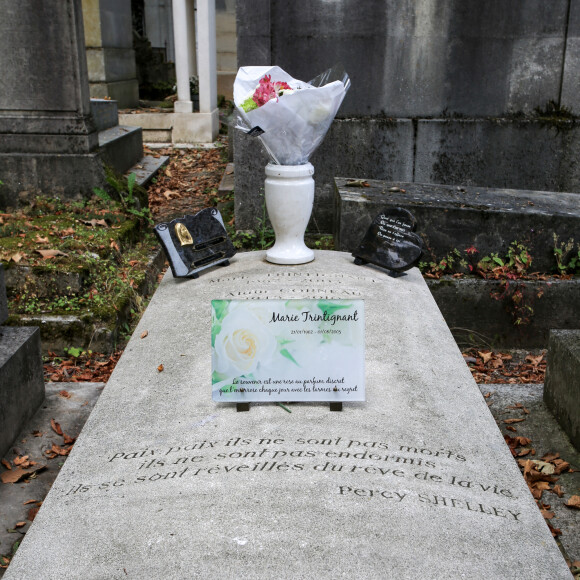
x,y
195,243
287,350
390,241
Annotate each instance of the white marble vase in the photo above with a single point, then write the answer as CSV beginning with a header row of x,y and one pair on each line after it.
x,y
289,199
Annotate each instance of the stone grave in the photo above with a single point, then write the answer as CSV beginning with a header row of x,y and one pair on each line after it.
x,y
562,384
416,481
21,374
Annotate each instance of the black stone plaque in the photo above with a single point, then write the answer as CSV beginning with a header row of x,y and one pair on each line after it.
x,y
390,241
195,243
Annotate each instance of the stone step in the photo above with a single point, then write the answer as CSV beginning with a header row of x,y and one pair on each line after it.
x,y
121,147
416,478
452,217
21,381
87,330
105,113
147,167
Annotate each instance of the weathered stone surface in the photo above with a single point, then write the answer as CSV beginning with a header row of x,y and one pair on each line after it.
x,y
163,481
421,58
21,381
121,147
570,79
48,140
537,154
479,310
562,384
459,217
105,113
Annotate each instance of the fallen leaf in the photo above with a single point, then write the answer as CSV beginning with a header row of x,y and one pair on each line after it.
x,y
510,428
543,466
21,460
19,524
16,257
557,489
17,474
59,450
547,515
535,360
67,439
160,368
144,333
47,254
37,433
115,245
573,502
6,464
485,355
30,501
32,514
56,427
510,421
40,240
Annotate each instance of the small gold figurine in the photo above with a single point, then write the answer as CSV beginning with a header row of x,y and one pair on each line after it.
x,y
183,235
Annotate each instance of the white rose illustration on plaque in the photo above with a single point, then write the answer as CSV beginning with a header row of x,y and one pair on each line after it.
x,y
242,342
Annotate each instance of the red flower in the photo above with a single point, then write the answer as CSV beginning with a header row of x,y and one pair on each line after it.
x,y
265,92
472,250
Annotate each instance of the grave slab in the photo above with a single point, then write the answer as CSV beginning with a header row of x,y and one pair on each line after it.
x,y
416,481
562,386
3,300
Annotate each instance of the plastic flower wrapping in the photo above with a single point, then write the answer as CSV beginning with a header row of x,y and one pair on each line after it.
x,y
291,117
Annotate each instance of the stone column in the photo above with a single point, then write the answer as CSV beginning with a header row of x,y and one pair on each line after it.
x,y
191,36
180,26
206,56
48,140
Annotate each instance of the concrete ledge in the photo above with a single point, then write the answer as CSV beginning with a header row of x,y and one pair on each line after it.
x,y
562,383
459,217
66,176
21,381
175,127
468,307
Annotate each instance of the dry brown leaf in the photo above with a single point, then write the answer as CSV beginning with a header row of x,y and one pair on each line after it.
x,y
510,421
95,222
510,428
17,474
144,333
67,232
20,460
37,433
485,355
6,464
40,240
56,427
32,514
67,439
543,466
64,394
48,254
535,360
30,501
19,524
557,489
59,450
115,245
573,502
160,368
547,515
16,257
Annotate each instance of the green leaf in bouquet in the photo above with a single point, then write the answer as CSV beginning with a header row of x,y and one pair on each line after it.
x,y
284,352
331,307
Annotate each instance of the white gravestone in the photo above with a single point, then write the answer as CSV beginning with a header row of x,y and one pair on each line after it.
x,y
414,482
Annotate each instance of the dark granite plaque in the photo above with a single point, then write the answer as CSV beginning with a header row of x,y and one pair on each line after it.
x,y
390,241
195,243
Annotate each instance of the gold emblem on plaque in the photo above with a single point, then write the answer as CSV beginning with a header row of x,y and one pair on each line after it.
x,y
183,234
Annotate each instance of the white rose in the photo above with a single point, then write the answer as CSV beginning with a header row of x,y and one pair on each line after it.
x,y
242,343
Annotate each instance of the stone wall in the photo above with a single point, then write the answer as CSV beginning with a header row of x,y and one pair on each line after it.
x,y
461,80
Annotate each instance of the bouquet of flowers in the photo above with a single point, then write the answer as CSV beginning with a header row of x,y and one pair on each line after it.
x,y
291,117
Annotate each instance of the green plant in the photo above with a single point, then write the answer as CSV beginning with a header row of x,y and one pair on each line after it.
x,y
126,194
567,259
